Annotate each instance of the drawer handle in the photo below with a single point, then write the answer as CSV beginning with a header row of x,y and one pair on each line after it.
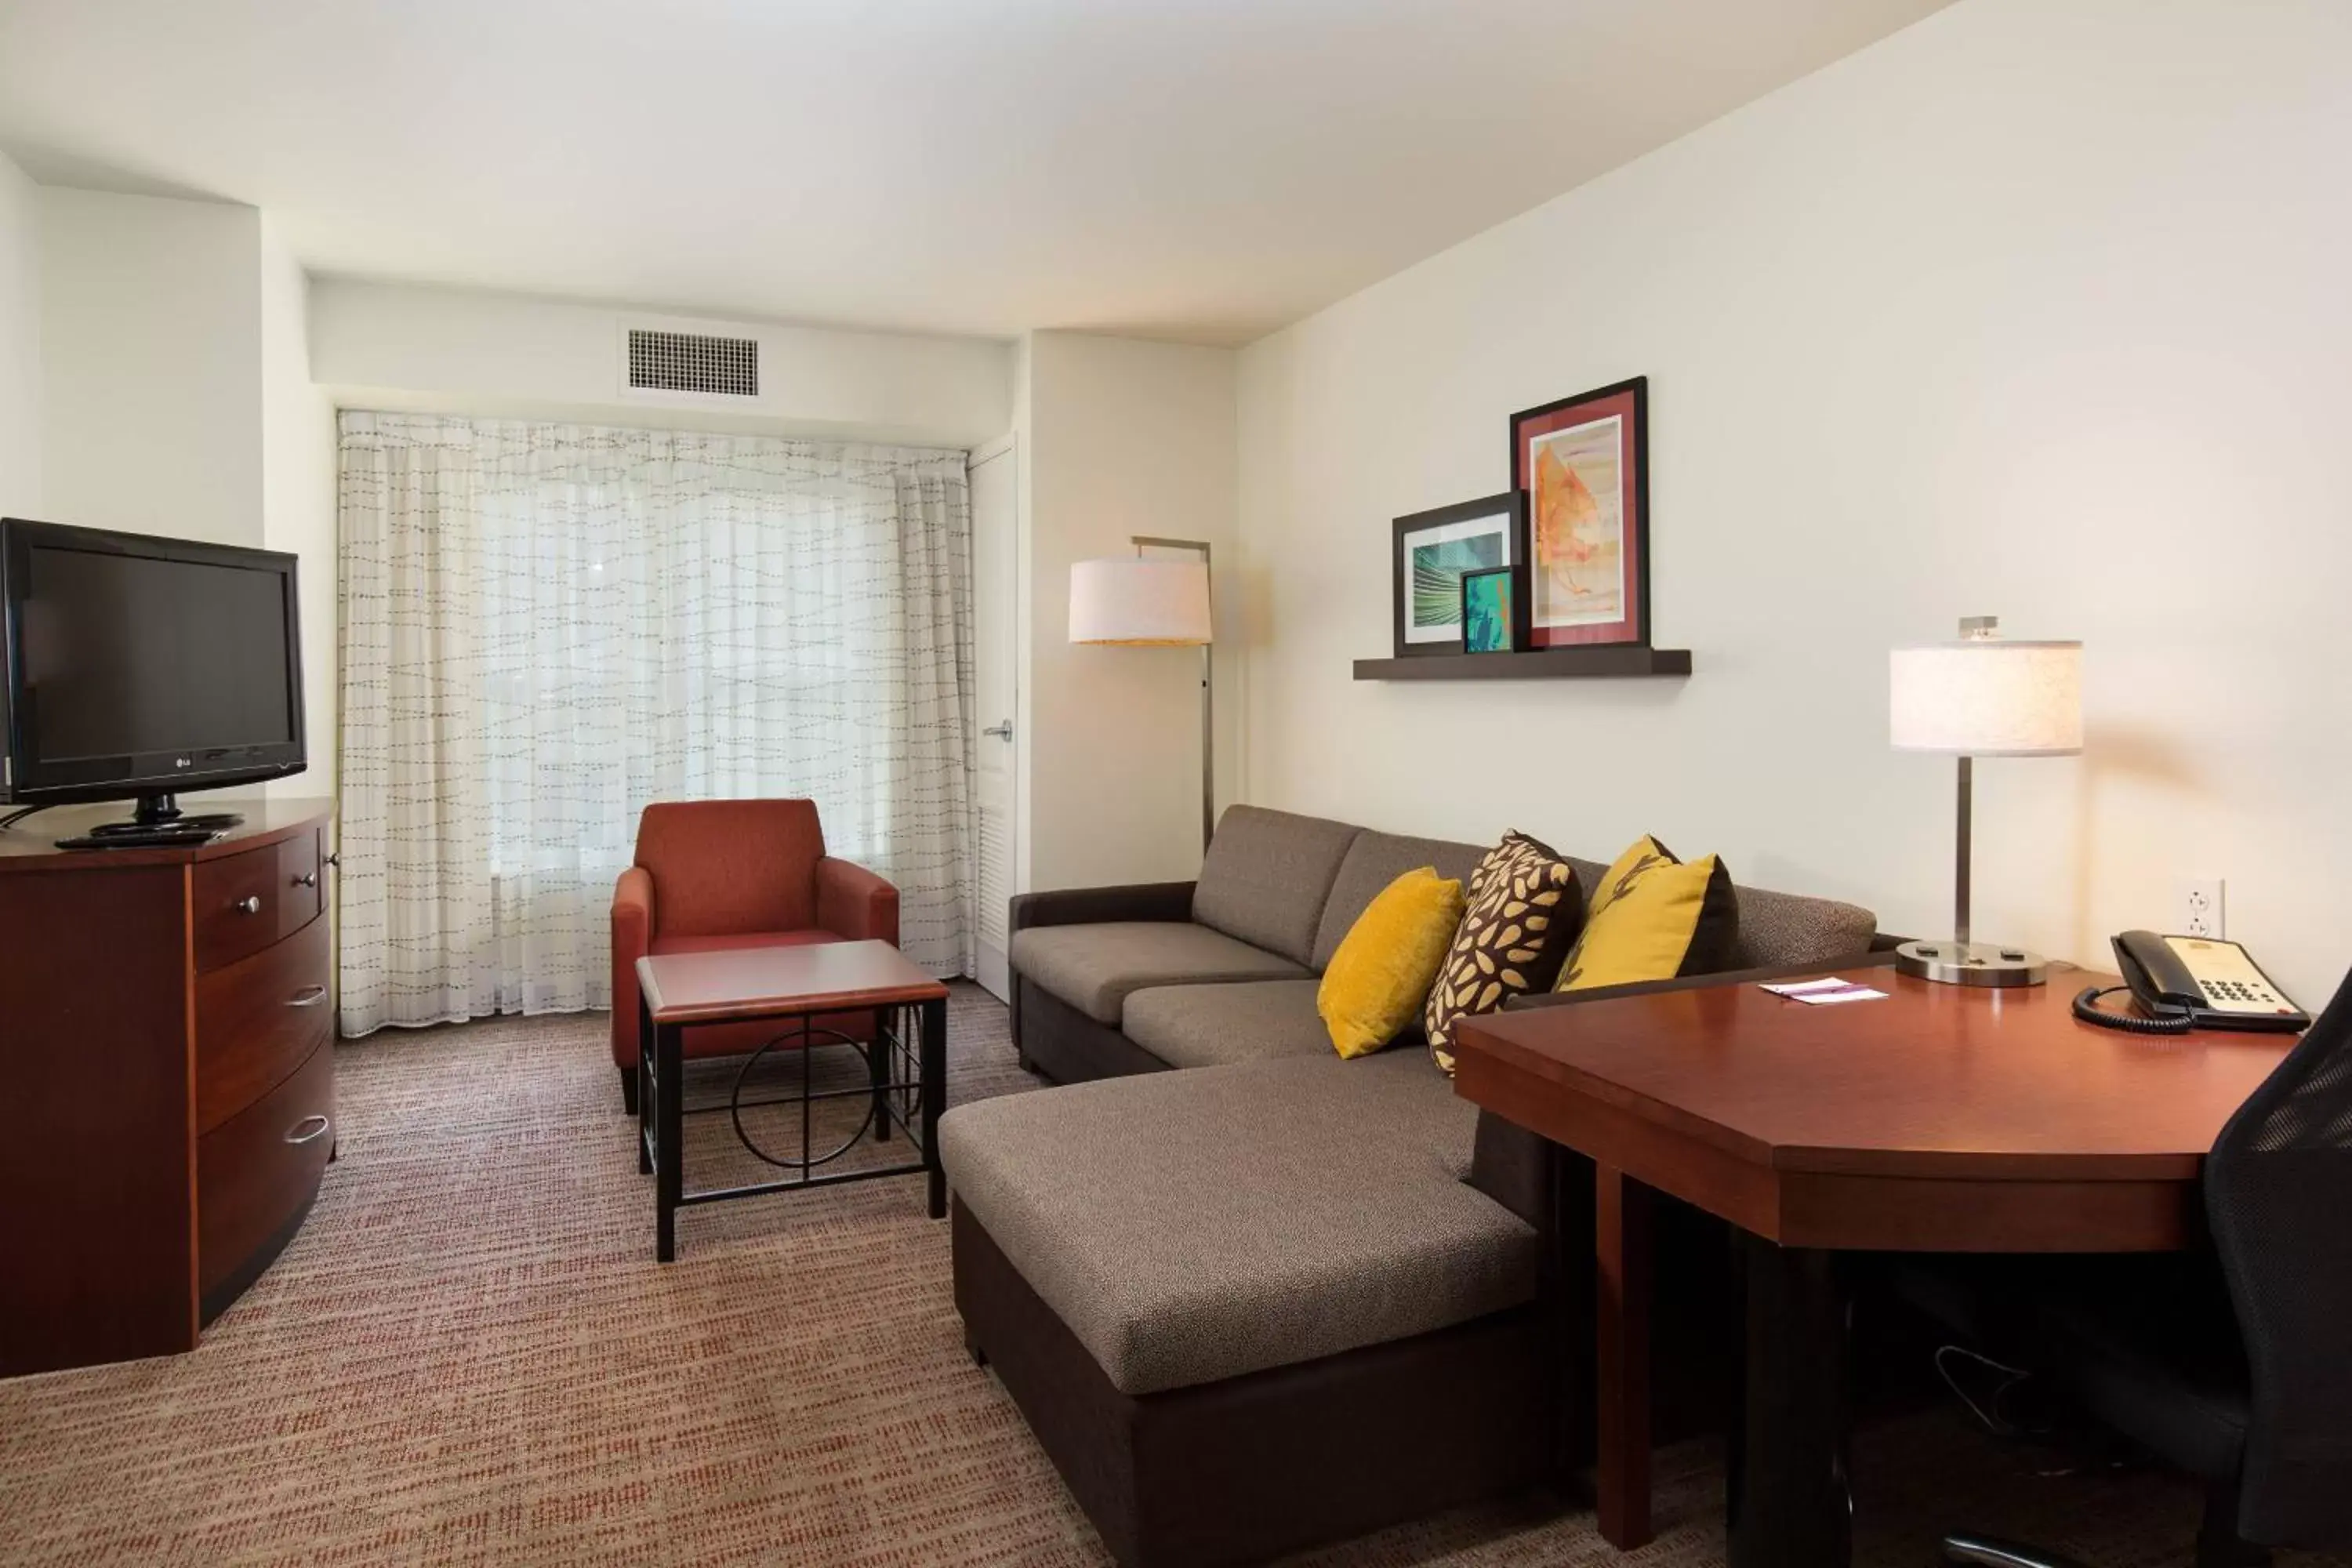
x,y
249,905
309,996
307,879
309,1130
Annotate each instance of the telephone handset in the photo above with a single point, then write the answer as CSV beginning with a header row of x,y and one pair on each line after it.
x,y
2184,983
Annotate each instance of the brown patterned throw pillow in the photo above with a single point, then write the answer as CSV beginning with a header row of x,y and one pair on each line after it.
x,y
1523,916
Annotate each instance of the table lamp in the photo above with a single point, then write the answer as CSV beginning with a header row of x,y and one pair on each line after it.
x,y
1143,601
1982,697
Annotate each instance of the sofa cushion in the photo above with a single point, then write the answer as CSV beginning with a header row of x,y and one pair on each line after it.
x,y
1266,876
1782,930
1094,967
1124,1206
1216,1026
1373,861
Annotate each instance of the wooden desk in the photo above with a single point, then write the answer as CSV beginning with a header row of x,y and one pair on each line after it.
x,y
1944,1119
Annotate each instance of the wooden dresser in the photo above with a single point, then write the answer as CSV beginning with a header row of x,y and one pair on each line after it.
x,y
167,1076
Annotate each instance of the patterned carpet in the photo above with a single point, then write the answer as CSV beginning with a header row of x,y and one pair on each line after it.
x,y
468,1356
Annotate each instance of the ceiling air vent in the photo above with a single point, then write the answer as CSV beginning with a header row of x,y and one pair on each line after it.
x,y
691,361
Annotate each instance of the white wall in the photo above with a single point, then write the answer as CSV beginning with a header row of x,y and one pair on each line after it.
x,y
384,345
1120,437
298,495
2032,310
151,320
20,345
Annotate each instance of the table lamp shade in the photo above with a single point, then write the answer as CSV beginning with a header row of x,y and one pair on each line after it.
x,y
1140,603
1987,698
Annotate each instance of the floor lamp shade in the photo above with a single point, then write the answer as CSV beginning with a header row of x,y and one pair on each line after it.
x,y
1140,603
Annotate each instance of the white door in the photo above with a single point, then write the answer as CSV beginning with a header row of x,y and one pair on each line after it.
x,y
995,585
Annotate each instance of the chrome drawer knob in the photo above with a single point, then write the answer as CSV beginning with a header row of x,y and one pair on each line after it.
x,y
249,905
309,1130
307,879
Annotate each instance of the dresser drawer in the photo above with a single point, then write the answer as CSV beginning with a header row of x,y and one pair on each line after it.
x,y
243,902
259,1169
258,1020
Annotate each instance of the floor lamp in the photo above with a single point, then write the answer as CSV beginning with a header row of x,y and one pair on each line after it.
x,y
1153,602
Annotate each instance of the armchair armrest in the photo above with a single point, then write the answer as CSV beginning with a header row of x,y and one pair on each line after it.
x,y
1874,959
1094,906
853,902
633,937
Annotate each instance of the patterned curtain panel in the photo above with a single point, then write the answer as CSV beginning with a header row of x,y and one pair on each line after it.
x,y
546,626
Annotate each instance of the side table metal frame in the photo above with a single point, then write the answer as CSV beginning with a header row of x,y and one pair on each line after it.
x,y
914,1102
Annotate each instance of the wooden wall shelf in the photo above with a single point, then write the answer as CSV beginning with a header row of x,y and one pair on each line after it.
x,y
1589,662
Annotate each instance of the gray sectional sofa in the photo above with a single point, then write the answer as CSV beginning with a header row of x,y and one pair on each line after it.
x,y
1278,1298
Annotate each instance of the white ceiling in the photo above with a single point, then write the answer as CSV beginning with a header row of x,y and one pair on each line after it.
x,y
1197,169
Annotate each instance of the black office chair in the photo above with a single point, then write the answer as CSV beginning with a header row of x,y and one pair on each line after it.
x,y
2240,1374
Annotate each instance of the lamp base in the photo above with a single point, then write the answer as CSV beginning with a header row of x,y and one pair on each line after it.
x,y
1955,963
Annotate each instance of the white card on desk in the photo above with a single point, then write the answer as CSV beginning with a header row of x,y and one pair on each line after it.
x,y
1832,988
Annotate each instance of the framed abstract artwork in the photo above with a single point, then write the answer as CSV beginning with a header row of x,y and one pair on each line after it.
x,y
1432,550
1584,464
1490,604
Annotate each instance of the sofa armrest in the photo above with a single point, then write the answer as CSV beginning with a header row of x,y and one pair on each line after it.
x,y
633,937
1874,959
853,902
1094,906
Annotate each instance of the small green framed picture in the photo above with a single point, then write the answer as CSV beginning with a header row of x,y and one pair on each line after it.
x,y
1490,610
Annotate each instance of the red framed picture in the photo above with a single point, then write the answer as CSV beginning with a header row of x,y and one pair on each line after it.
x,y
1584,463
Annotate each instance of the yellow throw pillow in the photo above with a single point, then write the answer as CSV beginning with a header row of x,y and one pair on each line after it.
x,y
1384,967
1654,918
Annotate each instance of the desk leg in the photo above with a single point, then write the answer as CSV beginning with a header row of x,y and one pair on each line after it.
x,y
1787,1505
669,1138
934,1059
1621,1254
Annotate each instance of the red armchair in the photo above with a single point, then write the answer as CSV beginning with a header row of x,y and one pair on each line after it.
x,y
728,874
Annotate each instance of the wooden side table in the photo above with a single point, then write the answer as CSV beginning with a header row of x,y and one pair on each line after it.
x,y
907,1059
1944,1119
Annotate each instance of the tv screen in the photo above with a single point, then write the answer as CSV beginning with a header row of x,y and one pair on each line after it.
x,y
141,665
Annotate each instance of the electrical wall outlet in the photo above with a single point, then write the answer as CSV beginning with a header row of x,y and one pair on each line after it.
x,y
2202,911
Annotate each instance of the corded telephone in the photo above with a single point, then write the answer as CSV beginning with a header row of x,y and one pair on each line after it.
x,y
2185,983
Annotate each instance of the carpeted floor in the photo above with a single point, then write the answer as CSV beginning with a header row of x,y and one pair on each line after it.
x,y
470,1356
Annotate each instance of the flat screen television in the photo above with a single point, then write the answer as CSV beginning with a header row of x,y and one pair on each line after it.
x,y
138,667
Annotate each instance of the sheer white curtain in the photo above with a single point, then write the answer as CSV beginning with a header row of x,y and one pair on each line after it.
x,y
545,627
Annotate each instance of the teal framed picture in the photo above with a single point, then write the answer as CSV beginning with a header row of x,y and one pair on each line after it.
x,y
1490,610
1433,551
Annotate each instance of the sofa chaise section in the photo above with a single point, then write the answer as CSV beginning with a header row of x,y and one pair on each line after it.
x,y
1249,1308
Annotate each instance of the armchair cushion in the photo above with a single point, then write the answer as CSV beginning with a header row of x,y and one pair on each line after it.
x,y
730,865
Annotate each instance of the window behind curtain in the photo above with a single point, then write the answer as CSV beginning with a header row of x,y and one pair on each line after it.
x,y
546,626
